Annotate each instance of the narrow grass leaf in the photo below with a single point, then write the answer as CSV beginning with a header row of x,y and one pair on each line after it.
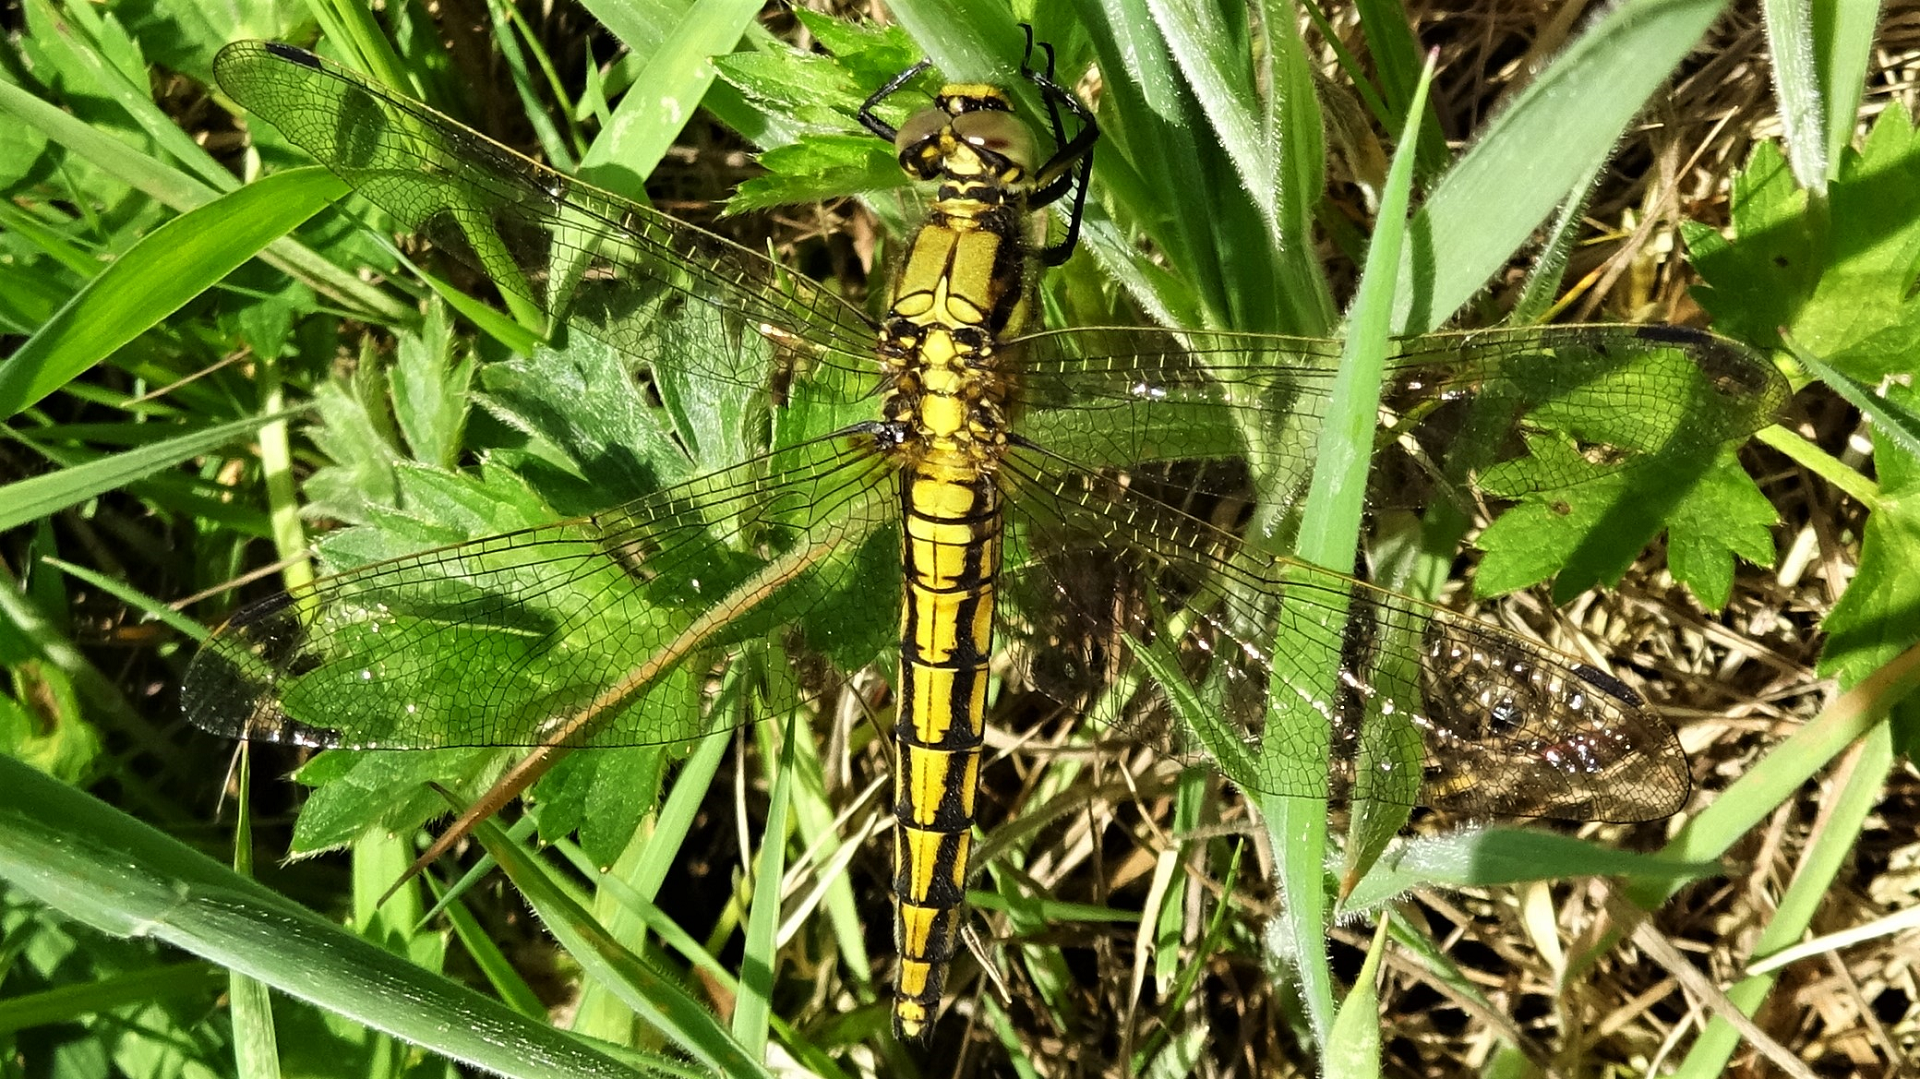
x,y
553,146
1330,525
256,1049
40,496
1396,55
1890,418
1174,1001
967,40
1843,36
1354,1052
484,317
132,597
660,1001
493,963
95,864
1214,58
50,241
136,99
665,95
1786,768
173,264
69,1003
1329,534
1494,857
1844,815
1796,86
119,160
672,936
1540,298
761,956
351,25
1535,152
179,191
1300,143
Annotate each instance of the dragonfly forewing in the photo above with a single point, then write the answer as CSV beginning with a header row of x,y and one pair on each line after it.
x,y
1625,396
589,258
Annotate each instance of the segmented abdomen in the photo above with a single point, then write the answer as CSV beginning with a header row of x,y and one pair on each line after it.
x,y
950,513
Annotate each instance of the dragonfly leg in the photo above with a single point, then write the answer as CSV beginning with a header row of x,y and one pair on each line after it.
x,y
1072,164
870,119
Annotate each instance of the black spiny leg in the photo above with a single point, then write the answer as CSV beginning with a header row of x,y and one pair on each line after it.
x,y
1072,164
870,119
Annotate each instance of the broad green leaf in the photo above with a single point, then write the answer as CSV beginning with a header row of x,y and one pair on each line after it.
x,y
1590,532
1839,277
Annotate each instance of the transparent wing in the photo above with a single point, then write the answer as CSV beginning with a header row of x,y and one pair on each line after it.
x,y
1459,403
1306,683
1151,456
614,269
599,631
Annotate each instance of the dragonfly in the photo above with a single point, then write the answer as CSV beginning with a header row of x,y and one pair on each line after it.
x,y
1094,513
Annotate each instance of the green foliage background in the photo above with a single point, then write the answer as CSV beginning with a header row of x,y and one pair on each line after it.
x,y
143,464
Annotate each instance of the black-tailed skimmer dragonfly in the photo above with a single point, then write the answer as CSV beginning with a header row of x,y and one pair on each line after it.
x,y
1085,499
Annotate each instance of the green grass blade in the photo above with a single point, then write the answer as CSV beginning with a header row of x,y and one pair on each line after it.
x,y
136,99
1330,530
352,26
1354,1051
1497,857
1300,141
965,39
668,90
68,1003
1397,60
761,957
41,496
1537,151
181,192
120,876
1891,419
661,1002
1330,526
1788,766
1827,851
1796,86
1843,35
256,1050
134,598
172,265
119,160
1223,84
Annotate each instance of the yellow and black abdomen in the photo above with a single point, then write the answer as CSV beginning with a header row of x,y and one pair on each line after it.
x,y
951,556
946,400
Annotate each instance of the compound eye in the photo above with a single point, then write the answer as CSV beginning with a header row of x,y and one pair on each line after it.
x,y
999,133
920,127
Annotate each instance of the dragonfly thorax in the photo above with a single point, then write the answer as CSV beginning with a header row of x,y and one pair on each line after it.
x,y
962,284
945,399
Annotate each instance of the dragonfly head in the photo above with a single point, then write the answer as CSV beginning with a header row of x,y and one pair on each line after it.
x,y
970,135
